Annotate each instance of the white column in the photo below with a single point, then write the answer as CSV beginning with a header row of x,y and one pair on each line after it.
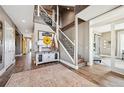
x,y
57,23
113,44
38,10
91,36
76,41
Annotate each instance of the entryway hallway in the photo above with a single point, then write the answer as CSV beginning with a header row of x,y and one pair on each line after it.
x,y
47,53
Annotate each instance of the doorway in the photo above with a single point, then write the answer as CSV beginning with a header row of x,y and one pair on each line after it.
x,y
118,48
101,36
107,45
18,44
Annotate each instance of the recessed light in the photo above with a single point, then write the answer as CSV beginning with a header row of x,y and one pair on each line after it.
x,y
68,8
23,21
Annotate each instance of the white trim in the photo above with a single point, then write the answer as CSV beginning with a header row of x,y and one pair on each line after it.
x,y
90,45
113,44
57,23
75,54
38,10
76,41
66,52
69,64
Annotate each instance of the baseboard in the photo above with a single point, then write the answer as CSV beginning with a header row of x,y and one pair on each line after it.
x,y
6,68
67,63
2,71
18,55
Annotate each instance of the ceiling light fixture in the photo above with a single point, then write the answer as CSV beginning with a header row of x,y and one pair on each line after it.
x,y
23,21
68,8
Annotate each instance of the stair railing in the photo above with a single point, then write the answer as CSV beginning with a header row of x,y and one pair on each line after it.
x,y
62,37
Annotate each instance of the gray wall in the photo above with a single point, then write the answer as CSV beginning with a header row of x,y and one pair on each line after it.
x,y
83,38
66,18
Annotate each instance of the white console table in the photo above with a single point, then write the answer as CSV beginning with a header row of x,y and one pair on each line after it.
x,y
44,57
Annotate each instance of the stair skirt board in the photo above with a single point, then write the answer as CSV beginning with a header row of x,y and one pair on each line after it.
x,y
66,51
68,64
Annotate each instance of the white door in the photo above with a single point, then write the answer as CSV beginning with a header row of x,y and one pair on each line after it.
x,y
9,45
120,43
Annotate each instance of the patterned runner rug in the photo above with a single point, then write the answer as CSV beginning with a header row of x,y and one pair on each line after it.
x,y
49,76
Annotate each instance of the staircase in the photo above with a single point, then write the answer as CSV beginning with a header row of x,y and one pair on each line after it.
x,y
68,45
44,18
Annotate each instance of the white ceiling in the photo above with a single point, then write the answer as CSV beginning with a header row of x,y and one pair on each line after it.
x,y
114,16
22,16
94,10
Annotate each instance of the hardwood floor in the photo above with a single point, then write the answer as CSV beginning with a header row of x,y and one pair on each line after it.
x,y
102,76
97,74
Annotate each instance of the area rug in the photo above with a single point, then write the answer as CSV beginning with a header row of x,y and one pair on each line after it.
x,y
50,76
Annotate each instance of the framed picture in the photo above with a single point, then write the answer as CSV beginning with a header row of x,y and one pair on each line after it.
x,y
1,24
